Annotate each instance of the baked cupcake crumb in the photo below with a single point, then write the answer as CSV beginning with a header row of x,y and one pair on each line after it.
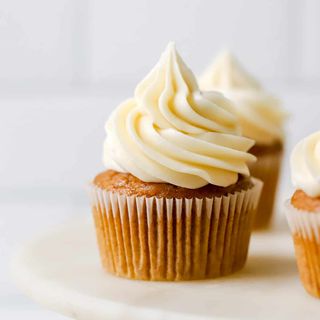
x,y
127,184
259,149
300,200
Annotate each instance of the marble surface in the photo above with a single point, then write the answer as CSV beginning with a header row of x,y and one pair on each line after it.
x,y
61,270
20,222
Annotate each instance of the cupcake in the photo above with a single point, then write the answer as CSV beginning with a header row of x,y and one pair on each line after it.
x,y
176,201
261,118
303,211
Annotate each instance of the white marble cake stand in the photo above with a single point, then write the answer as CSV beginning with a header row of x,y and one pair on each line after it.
x,y
61,270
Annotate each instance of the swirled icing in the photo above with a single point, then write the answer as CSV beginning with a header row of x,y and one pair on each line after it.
x,y
172,132
260,114
305,165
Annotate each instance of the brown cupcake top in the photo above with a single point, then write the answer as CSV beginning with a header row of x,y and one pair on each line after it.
x,y
125,183
300,200
259,149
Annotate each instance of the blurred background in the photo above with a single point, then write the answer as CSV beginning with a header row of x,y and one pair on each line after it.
x,y
65,64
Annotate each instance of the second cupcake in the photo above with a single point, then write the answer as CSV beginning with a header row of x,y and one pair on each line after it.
x,y
176,201
261,118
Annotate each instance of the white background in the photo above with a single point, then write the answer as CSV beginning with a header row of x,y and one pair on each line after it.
x,y
65,64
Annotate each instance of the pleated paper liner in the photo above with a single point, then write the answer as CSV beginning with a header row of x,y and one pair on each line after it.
x,y
305,229
267,169
174,239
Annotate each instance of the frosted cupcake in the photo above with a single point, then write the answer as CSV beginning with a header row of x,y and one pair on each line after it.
x,y
176,201
303,211
261,119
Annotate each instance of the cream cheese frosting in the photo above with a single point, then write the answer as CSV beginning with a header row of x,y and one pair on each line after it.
x,y
305,165
172,132
260,114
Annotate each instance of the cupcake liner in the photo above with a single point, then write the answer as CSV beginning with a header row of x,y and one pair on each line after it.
x,y
305,229
173,239
266,168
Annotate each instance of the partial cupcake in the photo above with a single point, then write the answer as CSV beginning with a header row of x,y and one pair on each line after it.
x,y
176,201
261,118
303,211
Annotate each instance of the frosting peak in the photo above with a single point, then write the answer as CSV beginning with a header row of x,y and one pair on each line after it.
x,y
226,73
171,132
169,94
305,165
260,114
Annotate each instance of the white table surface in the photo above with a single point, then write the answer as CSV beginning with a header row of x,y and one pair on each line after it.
x,y
62,270
18,224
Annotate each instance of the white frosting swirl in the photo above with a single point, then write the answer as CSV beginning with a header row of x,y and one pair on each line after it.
x,y
305,165
171,132
260,114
